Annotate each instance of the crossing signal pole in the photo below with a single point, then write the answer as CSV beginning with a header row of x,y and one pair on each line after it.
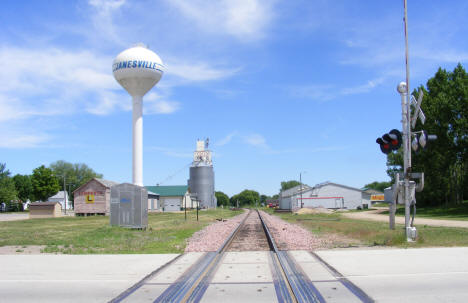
x,y
403,191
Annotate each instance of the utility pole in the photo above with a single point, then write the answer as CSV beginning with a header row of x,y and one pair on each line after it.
x,y
69,190
300,180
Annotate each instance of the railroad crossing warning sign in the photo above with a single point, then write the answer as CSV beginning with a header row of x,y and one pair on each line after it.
x,y
89,199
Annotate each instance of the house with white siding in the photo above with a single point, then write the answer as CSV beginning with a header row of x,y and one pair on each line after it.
x,y
62,198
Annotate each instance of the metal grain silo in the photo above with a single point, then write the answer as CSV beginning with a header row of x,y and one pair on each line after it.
x,y
201,182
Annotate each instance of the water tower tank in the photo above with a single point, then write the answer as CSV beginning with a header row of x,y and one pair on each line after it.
x,y
201,182
137,69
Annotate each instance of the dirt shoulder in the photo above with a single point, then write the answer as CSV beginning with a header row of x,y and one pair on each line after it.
x,y
14,216
375,215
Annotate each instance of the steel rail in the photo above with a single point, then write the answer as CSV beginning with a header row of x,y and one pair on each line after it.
x,y
299,285
191,286
140,283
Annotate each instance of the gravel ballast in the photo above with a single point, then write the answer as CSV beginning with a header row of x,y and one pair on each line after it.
x,y
214,235
287,236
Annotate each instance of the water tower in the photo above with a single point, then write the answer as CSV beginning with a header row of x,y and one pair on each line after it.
x,y
137,69
201,182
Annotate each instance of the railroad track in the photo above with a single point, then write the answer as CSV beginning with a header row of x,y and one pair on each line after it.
x,y
290,282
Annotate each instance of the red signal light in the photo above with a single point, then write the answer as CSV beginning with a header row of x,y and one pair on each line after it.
x,y
391,141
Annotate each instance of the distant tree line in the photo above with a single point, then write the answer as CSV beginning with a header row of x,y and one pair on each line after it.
x,y
248,197
43,183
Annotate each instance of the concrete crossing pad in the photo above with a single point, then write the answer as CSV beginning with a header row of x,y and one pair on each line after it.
x,y
386,275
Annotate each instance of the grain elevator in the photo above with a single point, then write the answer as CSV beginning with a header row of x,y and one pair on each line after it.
x,y
201,181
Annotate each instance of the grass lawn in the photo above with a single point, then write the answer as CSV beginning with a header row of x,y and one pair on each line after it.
x,y
373,233
166,233
450,212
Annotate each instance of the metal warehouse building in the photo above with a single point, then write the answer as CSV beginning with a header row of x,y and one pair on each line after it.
x,y
287,198
327,195
171,198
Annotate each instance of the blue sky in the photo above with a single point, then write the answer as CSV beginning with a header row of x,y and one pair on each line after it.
x,y
279,87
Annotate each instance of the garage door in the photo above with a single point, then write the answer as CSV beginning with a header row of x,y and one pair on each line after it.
x,y
172,204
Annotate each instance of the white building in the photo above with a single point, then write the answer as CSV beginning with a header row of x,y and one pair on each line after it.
x,y
286,197
327,195
61,198
169,198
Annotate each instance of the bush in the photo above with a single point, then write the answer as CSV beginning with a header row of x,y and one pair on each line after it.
x,y
14,206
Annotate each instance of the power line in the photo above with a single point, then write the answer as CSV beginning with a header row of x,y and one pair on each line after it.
x,y
174,174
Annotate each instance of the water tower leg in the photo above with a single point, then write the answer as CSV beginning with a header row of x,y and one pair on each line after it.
x,y
138,140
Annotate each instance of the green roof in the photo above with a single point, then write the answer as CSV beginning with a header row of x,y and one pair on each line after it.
x,y
168,191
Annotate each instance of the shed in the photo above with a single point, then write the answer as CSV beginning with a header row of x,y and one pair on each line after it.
x,y
172,197
45,210
93,197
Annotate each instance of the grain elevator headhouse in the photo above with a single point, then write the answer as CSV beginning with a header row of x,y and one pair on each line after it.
x,y
201,182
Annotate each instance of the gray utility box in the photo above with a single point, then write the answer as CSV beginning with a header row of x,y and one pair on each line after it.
x,y
129,206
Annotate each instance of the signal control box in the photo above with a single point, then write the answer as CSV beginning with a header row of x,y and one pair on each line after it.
x,y
129,206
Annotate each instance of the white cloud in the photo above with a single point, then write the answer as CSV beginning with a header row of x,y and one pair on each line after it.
x,y
163,107
197,71
226,139
365,88
102,19
106,5
448,55
30,136
317,92
326,92
44,82
256,140
244,19
171,152
155,103
10,140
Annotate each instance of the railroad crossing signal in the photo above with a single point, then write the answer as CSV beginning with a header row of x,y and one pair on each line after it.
x,y
390,141
420,139
418,113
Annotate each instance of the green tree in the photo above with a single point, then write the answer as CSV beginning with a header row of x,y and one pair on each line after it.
x,y
264,198
289,184
380,186
24,187
7,186
4,173
445,161
76,174
44,183
222,198
246,198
